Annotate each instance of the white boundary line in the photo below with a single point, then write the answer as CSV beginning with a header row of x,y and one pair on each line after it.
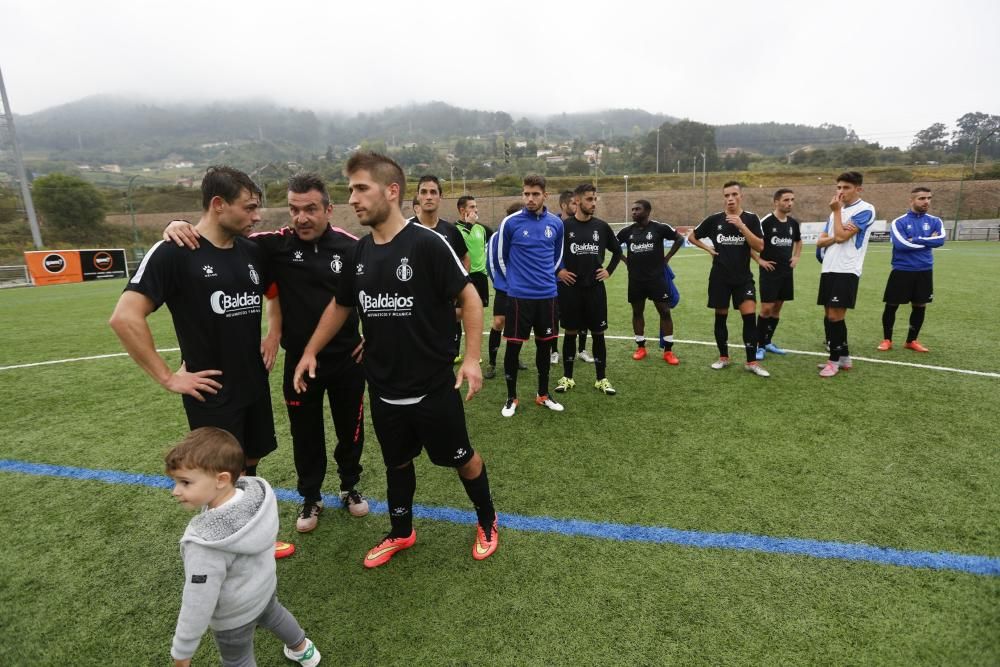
x,y
943,369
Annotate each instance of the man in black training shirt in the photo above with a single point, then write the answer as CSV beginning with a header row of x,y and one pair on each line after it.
x,y
428,202
214,295
583,298
644,240
403,280
782,249
733,232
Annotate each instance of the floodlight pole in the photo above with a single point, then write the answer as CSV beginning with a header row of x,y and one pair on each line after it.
x,y
22,176
657,150
626,197
975,155
131,209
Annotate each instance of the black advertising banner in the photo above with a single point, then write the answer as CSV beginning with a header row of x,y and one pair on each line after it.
x,y
102,264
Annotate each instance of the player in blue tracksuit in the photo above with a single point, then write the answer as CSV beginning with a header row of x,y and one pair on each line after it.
x,y
529,252
499,301
914,235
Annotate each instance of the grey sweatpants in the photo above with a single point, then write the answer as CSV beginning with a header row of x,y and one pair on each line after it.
x,y
236,645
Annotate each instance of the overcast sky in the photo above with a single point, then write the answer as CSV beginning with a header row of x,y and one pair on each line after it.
x,y
887,69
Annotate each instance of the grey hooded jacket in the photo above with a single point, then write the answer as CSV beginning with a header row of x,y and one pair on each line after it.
x,y
229,572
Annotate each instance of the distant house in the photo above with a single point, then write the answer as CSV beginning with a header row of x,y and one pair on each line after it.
x,y
542,152
111,168
185,182
520,144
555,159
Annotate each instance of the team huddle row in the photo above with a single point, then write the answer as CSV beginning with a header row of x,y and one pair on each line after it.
x,y
412,286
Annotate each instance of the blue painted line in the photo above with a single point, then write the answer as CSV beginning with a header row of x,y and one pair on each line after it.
x,y
943,560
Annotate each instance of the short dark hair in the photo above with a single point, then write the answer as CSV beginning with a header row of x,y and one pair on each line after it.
x,y
225,182
513,208
853,177
646,206
307,181
729,184
536,180
430,178
464,200
920,188
208,449
565,196
781,192
584,187
383,169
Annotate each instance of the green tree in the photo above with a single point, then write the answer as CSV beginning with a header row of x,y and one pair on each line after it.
x,y
70,206
933,138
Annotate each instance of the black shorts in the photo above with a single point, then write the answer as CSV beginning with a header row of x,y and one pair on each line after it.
x,y
482,285
724,288
499,303
777,285
909,287
525,315
436,423
583,308
654,290
252,425
837,290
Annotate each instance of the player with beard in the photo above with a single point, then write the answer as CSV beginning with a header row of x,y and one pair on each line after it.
x,y
734,232
568,205
647,276
215,296
529,251
583,297
782,249
404,280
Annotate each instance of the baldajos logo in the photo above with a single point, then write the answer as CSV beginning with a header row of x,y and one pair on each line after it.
x,y
238,304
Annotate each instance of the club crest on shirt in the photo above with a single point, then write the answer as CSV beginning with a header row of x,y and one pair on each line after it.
x,y
297,256
597,237
404,271
548,232
649,236
336,265
719,228
254,276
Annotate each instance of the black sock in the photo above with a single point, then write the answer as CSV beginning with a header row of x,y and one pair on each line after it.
x,y
916,321
772,325
722,334
750,336
844,351
494,345
400,485
478,490
838,339
600,346
543,350
888,320
826,329
569,354
762,331
581,343
510,356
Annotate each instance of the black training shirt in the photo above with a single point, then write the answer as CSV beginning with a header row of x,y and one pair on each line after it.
x,y
584,244
644,244
404,292
733,259
779,238
449,233
215,296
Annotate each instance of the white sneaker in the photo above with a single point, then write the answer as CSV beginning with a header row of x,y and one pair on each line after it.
x,y
308,516
584,356
554,358
509,408
354,502
308,658
723,362
757,370
546,402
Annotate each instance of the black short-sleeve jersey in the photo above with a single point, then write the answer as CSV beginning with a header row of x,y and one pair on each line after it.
x,y
734,251
215,296
404,292
644,244
307,274
449,232
779,237
584,244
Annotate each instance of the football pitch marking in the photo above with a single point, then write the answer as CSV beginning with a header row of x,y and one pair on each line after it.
x,y
929,367
618,532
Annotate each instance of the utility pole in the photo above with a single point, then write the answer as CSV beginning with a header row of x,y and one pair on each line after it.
x,y
975,155
22,176
657,150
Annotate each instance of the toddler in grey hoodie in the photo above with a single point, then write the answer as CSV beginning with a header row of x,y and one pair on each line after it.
x,y
228,553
